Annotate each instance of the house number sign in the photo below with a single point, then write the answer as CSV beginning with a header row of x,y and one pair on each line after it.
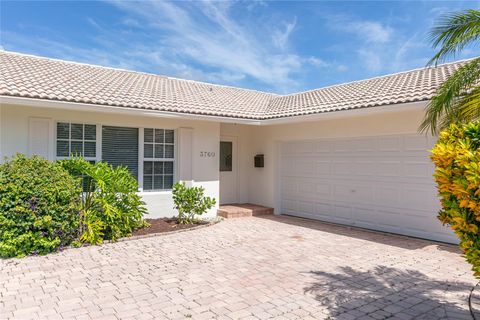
x,y
207,154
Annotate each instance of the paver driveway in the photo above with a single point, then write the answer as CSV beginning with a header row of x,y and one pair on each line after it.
x,y
248,268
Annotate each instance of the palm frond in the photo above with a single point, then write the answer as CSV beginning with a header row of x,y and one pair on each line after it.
x,y
443,107
469,107
453,32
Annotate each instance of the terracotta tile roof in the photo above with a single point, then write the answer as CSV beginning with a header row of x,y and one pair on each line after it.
x,y
403,87
43,78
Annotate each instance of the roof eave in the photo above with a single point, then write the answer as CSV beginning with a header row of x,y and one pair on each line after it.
x,y
55,104
363,111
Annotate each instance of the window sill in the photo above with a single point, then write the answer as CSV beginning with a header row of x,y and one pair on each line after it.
x,y
155,192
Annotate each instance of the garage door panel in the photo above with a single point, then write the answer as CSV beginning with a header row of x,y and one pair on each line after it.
x,y
288,186
323,167
363,145
387,195
307,186
382,183
388,168
342,167
342,213
420,198
352,193
323,147
417,143
388,143
306,207
289,206
364,167
300,147
417,169
365,217
323,208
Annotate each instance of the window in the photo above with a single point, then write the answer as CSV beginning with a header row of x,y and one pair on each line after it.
x,y
226,155
76,139
159,159
120,147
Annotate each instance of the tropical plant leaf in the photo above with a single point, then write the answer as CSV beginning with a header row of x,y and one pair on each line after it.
x,y
453,32
455,100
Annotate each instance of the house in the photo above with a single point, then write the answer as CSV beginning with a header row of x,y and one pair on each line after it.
x,y
347,153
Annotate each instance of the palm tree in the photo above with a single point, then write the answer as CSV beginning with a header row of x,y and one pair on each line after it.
x,y
457,100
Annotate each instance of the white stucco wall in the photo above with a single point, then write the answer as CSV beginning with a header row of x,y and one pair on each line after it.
x,y
14,122
254,185
261,183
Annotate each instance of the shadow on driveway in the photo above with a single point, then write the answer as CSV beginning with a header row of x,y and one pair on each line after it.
x,y
390,239
384,292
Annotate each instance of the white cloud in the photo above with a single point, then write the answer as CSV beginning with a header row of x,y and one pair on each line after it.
x,y
129,22
206,34
364,30
371,31
280,38
252,5
317,62
371,59
379,47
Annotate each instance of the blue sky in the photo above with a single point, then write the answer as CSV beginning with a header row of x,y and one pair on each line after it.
x,y
279,47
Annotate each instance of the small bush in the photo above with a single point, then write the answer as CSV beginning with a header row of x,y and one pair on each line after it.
x,y
39,206
190,202
111,207
457,159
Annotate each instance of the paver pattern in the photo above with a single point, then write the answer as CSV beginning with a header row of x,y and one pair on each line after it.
x,y
247,268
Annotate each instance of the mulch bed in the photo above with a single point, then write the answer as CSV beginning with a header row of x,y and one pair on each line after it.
x,y
165,225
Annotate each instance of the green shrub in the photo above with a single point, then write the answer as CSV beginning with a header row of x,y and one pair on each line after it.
x,y
111,207
457,159
39,206
190,202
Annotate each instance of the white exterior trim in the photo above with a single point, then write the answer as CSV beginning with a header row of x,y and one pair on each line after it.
x,y
347,113
31,102
168,114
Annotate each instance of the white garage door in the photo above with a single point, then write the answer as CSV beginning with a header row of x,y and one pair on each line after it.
x,y
382,183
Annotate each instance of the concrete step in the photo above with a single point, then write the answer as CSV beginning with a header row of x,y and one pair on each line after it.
x,y
243,210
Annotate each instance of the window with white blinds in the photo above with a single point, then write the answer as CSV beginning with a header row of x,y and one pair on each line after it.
x,y
76,139
159,159
120,147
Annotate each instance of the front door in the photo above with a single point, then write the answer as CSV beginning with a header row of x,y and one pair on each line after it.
x,y
228,170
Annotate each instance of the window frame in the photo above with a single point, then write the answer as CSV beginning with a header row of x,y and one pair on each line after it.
x,y
230,169
98,144
143,159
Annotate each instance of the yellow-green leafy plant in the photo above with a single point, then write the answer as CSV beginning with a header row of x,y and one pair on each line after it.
x,y
190,202
457,159
110,206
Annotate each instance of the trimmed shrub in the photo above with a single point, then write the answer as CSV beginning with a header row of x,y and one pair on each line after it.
x,y
111,207
39,206
457,159
190,202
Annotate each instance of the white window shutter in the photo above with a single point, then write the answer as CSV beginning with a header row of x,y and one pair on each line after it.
x,y
39,138
185,154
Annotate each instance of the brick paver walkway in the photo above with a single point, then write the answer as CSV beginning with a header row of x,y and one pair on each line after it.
x,y
248,268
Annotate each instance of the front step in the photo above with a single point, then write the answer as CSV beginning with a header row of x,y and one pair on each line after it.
x,y
243,210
